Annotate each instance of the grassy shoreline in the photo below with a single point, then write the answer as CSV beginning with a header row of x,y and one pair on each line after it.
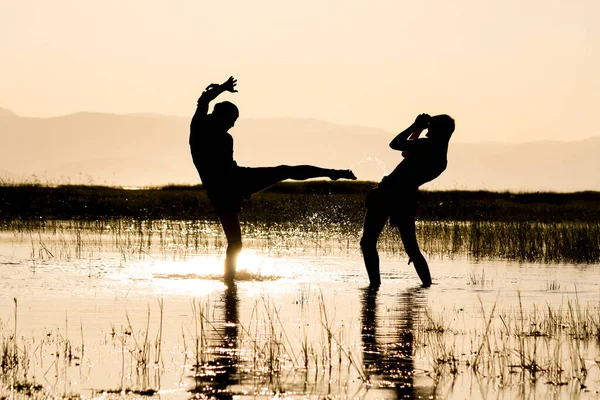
x,y
287,202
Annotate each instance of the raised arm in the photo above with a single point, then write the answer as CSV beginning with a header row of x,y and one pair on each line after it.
x,y
212,92
402,143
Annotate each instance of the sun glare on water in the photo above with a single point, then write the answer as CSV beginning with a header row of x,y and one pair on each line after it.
x,y
204,273
255,266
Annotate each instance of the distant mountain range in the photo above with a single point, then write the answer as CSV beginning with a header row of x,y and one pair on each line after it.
x,y
150,149
6,113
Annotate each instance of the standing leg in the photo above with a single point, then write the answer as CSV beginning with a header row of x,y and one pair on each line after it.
x,y
233,232
406,227
374,223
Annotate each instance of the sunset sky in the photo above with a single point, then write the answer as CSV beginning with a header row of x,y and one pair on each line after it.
x,y
509,70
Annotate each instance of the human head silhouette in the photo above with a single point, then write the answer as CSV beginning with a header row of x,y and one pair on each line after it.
x,y
225,114
440,127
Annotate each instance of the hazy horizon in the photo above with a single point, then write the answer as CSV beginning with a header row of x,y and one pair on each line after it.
x,y
389,134
151,150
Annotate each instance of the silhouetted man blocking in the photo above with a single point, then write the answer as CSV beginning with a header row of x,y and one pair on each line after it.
x,y
396,195
225,182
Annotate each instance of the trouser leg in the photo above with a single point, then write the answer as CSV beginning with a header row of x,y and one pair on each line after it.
x,y
257,179
406,227
233,233
254,180
374,223
303,172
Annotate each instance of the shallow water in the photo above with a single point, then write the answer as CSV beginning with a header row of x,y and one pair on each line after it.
x,y
301,321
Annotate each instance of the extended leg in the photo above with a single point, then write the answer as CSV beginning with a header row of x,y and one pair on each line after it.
x,y
406,226
233,232
254,180
374,223
303,172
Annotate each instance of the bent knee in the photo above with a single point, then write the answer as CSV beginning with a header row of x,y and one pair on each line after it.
x,y
284,169
368,243
415,254
234,246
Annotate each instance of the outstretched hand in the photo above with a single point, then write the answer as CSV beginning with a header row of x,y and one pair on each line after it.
x,y
229,85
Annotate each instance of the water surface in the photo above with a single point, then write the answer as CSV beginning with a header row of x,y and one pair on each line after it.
x,y
301,321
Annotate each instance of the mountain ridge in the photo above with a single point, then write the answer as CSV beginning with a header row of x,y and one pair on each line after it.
x,y
152,149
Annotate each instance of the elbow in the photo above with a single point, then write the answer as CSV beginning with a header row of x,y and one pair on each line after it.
x,y
395,146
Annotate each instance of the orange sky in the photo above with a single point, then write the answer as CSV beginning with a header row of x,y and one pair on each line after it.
x,y
508,70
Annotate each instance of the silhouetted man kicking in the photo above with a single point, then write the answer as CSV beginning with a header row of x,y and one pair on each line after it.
x,y
225,182
396,195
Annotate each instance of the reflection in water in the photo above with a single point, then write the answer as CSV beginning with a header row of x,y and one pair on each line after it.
x,y
388,348
216,379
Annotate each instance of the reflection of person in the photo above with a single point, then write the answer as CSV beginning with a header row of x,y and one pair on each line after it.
x,y
224,365
225,182
368,329
395,198
388,349
229,358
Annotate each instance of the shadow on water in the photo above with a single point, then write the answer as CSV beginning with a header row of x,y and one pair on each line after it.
x,y
217,378
388,344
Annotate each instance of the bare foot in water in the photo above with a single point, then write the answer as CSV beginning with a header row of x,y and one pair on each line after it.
x,y
342,174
